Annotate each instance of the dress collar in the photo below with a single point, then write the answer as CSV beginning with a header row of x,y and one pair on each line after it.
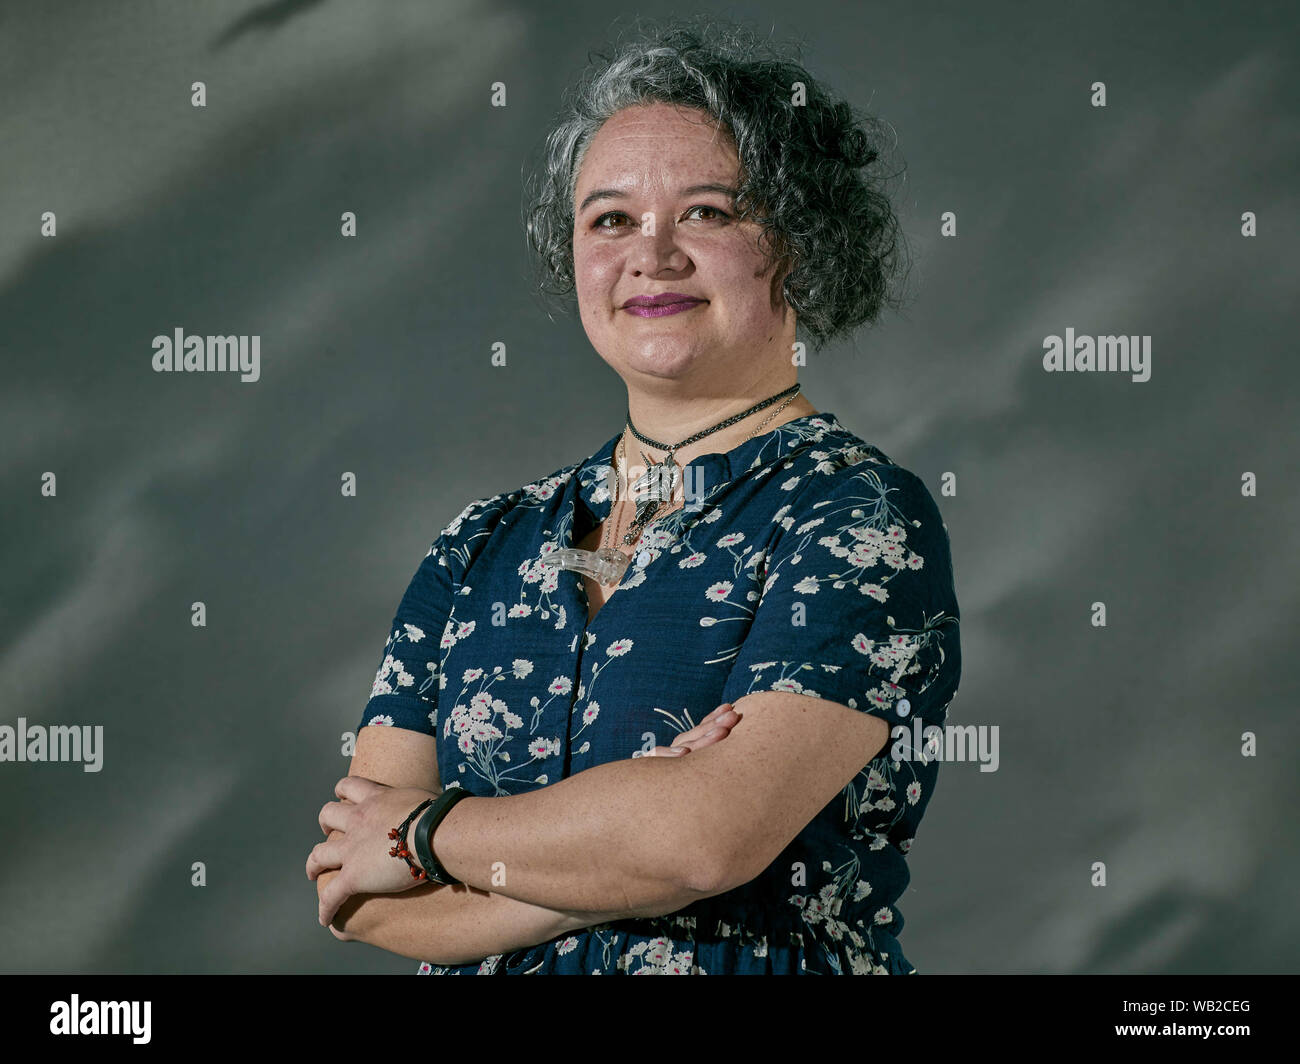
x,y
707,472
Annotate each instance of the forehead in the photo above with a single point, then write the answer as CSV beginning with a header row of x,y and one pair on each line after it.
x,y
657,145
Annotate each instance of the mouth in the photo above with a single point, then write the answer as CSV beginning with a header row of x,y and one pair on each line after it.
x,y
660,305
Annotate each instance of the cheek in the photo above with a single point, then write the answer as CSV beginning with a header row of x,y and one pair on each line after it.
x,y
734,268
595,270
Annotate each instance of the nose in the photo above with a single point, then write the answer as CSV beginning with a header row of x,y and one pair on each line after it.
x,y
656,248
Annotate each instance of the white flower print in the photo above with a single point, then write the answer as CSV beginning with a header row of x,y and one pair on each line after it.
x,y
392,672
831,537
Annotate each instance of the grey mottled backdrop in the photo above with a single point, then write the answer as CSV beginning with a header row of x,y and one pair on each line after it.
x,y
1119,744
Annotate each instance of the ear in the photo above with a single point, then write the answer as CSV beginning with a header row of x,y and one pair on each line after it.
x,y
777,294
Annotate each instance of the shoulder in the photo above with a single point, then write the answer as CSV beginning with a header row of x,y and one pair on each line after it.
x,y
837,466
463,537
847,495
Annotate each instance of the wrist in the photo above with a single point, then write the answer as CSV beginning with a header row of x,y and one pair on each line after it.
x,y
429,826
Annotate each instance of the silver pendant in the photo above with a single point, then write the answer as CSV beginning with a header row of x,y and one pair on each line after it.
x,y
659,481
654,487
606,566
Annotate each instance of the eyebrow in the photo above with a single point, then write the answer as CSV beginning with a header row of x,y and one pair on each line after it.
x,y
690,190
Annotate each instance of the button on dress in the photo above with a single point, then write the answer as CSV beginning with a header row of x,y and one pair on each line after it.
x,y
805,560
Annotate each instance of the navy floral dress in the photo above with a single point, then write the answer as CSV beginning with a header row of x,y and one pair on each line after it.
x,y
491,653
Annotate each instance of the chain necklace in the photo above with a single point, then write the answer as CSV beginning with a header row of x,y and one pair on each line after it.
x,y
659,482
608,564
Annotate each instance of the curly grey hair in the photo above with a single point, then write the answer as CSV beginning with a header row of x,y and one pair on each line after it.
x,y
805,171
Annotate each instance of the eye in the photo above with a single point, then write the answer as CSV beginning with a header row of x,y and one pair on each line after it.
x,y
706,207
599,222
609,214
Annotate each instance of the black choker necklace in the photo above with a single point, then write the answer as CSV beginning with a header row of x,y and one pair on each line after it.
x,y
658,484
654,488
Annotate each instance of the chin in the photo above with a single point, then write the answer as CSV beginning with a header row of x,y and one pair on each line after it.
x,y
663,356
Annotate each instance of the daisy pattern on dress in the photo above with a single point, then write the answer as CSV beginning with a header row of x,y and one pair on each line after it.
x,y
809,565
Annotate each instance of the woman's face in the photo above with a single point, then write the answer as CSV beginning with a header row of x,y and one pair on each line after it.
x,y
644,227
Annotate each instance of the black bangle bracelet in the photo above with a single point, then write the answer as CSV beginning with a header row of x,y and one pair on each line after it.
x,y
423,835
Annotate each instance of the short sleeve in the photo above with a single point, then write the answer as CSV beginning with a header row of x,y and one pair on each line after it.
x,y
405,689
858,604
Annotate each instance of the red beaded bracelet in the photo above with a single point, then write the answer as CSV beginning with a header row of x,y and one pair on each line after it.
x,y
399,833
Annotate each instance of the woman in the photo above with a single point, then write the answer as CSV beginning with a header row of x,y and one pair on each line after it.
x,y
757,557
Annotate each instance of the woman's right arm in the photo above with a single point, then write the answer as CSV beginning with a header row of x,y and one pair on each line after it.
x,y
460,925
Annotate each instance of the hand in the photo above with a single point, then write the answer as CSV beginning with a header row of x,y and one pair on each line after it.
x,y
712,729
368,811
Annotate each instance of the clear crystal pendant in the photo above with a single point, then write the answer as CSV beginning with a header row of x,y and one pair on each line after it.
x,y
606,566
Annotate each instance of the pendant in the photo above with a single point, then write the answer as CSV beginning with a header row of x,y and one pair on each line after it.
x,y
645,512
606,566
652,489
659,481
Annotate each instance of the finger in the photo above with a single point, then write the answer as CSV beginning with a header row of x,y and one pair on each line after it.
x,y
711,721
346,805
724,714
335,816
718,711
707,739
716,729
356,788
324,856
331,899
714,735
668,751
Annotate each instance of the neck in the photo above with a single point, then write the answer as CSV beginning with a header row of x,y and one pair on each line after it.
x,y
669,419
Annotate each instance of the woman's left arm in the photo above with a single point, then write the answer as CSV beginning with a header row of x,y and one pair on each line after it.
x,y
649,836
438,921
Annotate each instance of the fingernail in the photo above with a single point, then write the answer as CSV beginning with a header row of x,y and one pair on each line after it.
x,y
680,749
